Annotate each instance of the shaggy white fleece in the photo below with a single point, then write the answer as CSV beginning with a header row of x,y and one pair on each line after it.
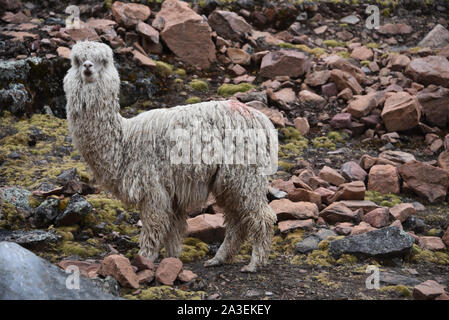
x,y
136,160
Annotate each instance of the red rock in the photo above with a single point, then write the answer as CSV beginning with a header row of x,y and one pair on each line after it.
x,y
15,18
286,186
402,211
312,99
285,96
102,25
120,269
362,105
83,34
286,209
332,176
394,29
329,90
302,125
397,223
362,227
350,191
431,243
428,290
229,25
348,67
239,56
378,218
143,59
10,4
86,269
435,104
442,296
362,53
300,194
206,227
276,117
384,179
148,31
325,194
341,121
20,36
129,14
399,62
168,270
344,228
401,112
286,226
145,276
317,78
446,237
345,80
351,171
425,180
365,205
63,52
284,63
338,212
438,37
187,276
143,263
186,33
429,70
395,157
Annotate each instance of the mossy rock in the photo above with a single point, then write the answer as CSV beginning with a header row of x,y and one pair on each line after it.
x,y
199,85
333,43
69,248
420,255
227,90
181,72
315,51
295,143
192,249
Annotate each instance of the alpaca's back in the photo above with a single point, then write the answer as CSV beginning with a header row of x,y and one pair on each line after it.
x,y
195,148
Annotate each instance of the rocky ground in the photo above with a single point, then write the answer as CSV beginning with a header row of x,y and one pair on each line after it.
x,y
362,116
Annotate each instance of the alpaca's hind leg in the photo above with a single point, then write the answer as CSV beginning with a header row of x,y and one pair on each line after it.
x,y
173,240
234,237
155,226
260,226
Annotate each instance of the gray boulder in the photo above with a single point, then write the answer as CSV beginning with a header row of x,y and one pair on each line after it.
x,y
25,276
385,242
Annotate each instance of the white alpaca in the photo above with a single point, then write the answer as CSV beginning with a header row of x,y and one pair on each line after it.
x,y
131,159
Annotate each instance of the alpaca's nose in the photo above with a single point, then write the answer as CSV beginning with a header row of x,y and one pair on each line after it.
x,y
87,64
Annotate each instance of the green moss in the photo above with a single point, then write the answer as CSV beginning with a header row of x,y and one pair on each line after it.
x,y
372,45
365,63
315,51
399,289
385,200
347,259
295,143
324,142
227,90
420,255
415,49
337,136
192,249
285,165
69,248
167,293
164,68
34,202
181,72
343,25
193,100
323,279
344,54
333,43
199,85
287,244
12,218
386,12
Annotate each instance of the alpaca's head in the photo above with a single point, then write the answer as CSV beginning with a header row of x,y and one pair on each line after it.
x,y
92,70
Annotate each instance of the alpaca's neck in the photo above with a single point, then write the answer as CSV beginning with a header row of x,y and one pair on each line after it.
x,y
97,129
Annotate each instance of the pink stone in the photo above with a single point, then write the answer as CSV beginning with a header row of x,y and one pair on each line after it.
x,y
168,270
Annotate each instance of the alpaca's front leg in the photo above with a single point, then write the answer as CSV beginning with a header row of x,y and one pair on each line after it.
x,y
175,235
154,230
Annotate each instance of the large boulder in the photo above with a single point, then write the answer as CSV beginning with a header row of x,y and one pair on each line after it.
x,y
385,242
435,105
284,63
229,25
401,112
425,180
438,37
129,14
207,227
429,70
363,105
23,275
186,33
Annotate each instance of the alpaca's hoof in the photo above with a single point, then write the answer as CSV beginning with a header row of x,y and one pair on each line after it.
x,y
249,268
212,262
